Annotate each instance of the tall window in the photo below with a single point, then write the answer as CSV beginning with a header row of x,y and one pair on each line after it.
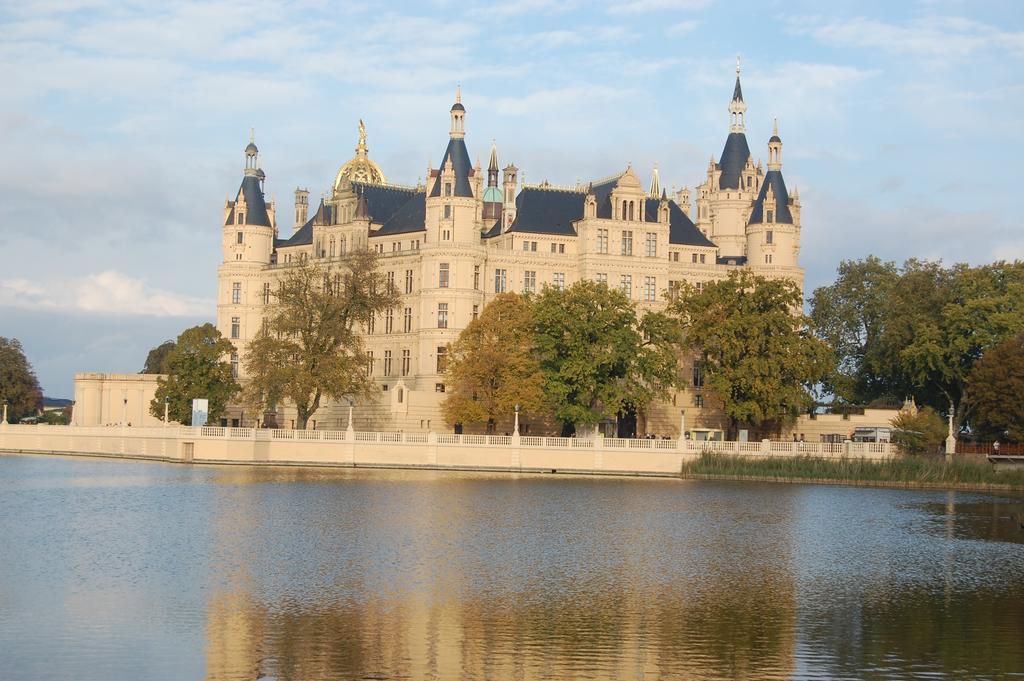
x,y
391,281
442,315
602,241
627,242
769,237
236,292
447,188
651,245
626,284
406,360
407,320
698,400
369,363
500,281
234,365
371,326
333,244
387,362
476,312
767,258
526,245
529,281
698,377
442,275
235,325
389,320
476,277
702,258
650,289
408,281
240,238
442,360
771,216
559,280
447,211
602,278
266,294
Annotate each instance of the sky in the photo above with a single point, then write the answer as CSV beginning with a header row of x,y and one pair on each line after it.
x,y
122,128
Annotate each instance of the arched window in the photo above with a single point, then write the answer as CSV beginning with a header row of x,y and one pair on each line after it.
x,y
631,210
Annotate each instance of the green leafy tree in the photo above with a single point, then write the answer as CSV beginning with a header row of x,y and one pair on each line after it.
x,y
756,352
850,315
157,358
994,392
597,358
942,320
920,433
19,388
309,347
196,369
493,366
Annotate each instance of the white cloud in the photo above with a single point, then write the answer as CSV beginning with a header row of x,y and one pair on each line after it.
x,y
108,292
638,6
683,27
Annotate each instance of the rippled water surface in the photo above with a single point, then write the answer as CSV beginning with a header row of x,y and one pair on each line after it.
x,y
121,570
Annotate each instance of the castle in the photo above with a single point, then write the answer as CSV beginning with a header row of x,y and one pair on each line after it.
x,y
450,244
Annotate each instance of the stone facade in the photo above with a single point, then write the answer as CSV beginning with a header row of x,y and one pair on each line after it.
x,y
450,244
114,399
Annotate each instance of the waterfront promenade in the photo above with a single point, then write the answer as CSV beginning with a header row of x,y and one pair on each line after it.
x,y
216,445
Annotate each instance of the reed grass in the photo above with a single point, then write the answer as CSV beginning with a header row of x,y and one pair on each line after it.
x,y
911,470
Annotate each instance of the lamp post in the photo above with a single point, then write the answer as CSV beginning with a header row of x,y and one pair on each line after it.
x,y
351,404
515,431
682,424
124,412
167,402
4,422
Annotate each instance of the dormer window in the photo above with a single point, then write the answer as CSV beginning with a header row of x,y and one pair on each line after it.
x,y
447,188
447,212
768,237
241,218
771,215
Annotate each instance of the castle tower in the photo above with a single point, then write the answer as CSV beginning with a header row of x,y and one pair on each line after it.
x,y
301,207
451,206
774,226
492,195
508,211
249,226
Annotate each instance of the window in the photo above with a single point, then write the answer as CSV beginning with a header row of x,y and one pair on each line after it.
x,y
533,246
446,235
236,292
769,237
650,289
698,401
500,280
526,246
447,211
240,238
626,284
476,277
561,248
406,359
241,218
442,315
554,248
674,256
699,286
602,278
266,294
234,365
476,312
673,289
438,388
447,188
407,320
602,241
442,360
698,377
332,247
767,258
369,363
749,181
771,215
408,281
389,320
693,257
651,245
391,281
529,281
702,258
372,324
442,275
559,280
627,242
387,362
235,324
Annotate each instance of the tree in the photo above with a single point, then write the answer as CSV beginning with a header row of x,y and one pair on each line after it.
x,y
19,387
309,347
156,360
850,315
994,391
755,351
493,366
920,433
598,360
196,369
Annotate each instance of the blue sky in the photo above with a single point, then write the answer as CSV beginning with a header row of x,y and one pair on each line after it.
x,y
122,126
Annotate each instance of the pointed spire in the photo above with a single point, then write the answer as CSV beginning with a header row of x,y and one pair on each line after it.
x,y
492,164
775,127
737,107
458,93
655,183
775,148
737,92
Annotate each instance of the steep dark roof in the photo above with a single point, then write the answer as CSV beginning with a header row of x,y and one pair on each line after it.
x,y
410,217
495,230
457,152
383,200
773,179
681,229
603,194
547,211
734,158
303,236
458,107
775,138
255,206
737,92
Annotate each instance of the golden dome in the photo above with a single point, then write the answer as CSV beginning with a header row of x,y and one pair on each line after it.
x,y
360,168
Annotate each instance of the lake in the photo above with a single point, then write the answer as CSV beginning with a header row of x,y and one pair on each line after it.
x,y
116,570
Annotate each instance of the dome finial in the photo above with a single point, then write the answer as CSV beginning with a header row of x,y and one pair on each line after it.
x,y
775,126
458,93
737,65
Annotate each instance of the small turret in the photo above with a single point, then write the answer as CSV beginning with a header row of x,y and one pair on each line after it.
x,y
775,148
301,207
655,191
458,112
737,107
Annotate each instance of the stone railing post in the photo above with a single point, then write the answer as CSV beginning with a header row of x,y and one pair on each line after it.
x,y
515,453
766,447
432,448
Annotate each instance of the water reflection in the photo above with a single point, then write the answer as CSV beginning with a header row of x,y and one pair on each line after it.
x,y
234,573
